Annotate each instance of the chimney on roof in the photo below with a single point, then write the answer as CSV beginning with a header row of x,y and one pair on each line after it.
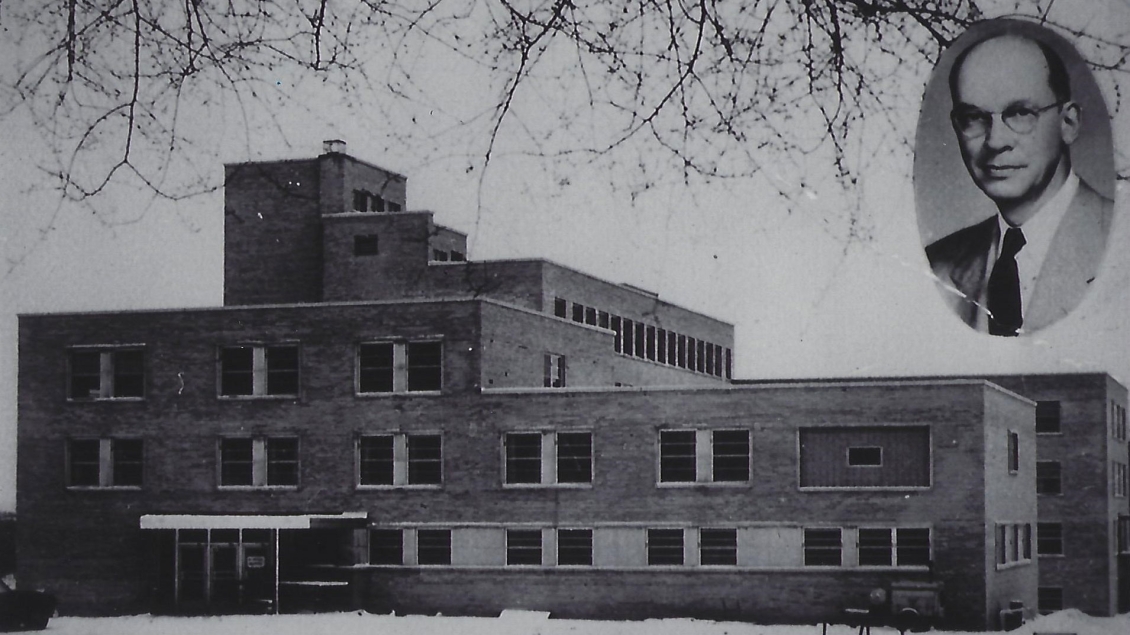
x,y
332,146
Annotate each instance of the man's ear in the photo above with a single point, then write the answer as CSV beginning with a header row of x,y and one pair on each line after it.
x,y
1070,122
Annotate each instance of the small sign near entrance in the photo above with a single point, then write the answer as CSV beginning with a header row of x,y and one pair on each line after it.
x,y
256,562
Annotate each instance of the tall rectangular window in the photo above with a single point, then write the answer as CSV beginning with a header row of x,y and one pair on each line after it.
x,y
590,316
398,459
661,346
1049,539
578,312
718,546
574,457
554,366
433,546
104,462
602,319
1013,452
672,349
1047,417
259,462
561,307
664,546
574,547
387,367
386,546
628,338
823,547
259,370
523,547
1048,479
106,374
650,342
618,329
682,350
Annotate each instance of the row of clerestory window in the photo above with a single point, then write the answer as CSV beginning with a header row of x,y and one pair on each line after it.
x,y
365,201
650,342
255,370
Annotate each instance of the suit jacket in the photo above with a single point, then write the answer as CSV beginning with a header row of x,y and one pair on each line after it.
x,y
960,263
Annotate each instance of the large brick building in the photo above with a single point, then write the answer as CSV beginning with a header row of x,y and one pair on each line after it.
x,y
373,420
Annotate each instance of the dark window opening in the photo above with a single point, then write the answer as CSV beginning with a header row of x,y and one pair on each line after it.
x,y
83,462
875,547
731,455
574,457
374,367
376,460
574,547
386,546
433,546
523,457
561,307
126,461
677,456
822,547
282,370
523,547
1049,539
424,366
868,456
718,546
664,546
236,462
425,459
1047,417
1048,477
366,245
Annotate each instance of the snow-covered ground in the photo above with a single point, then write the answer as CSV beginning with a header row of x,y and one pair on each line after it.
x,y
510,623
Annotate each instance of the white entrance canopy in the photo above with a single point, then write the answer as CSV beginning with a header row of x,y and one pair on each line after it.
x,y
245,521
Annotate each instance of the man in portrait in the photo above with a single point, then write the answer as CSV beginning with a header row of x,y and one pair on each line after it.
x,y
1029,264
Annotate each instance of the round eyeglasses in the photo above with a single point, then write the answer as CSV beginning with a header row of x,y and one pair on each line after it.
x,y
974,122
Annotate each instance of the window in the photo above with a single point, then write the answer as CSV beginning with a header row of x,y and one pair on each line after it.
x,y
458,256
1013,543
641,340
574,547
259,371
399,460
365,245
561,307
1049,539
876,457
650,342
664,546
523,547
386,546
1118,421
677,456
376,203
661,346
391,206
602,319
554,370
729,454
360,200
618,328
259,462
682,351
823,547
104,463
439,255
568,458
107,374
865,456
1048,477
387,367
578,312
628,337
1049,599
590,316
718,546
1118,479
1047,417
911,546
433,546
1013,452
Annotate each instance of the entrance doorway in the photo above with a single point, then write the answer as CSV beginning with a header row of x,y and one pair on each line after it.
x,y
224,570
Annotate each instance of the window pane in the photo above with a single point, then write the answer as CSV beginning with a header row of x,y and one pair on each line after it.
x,y
560,307
822,547
1049,539
677,456
618,329
650,337
282,370
376,460
433,546
718,546
731,455
875,547
574,457
86,374
1048,477
1047,417
628,338
236,462
82,456
126,458
236,370
865,456
913,545
374,367
425,462
523,546
664,546
641,340
386,546
574,547
424,366
129,373
282,461
523,457
661,346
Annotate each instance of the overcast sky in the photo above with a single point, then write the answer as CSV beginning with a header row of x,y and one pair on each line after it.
x,y
812,289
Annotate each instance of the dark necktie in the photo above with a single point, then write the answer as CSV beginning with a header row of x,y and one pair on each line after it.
x,y
1004,287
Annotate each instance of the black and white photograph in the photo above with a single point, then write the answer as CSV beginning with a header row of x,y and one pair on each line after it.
x,y
519,317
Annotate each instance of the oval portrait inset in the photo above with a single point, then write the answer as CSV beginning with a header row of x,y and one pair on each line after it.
x,y
1013,177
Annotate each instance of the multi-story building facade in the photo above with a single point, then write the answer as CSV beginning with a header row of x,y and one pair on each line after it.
x,y
373,418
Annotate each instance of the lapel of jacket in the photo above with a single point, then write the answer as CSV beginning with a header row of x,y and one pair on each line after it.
x,y
1073,259
968,273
